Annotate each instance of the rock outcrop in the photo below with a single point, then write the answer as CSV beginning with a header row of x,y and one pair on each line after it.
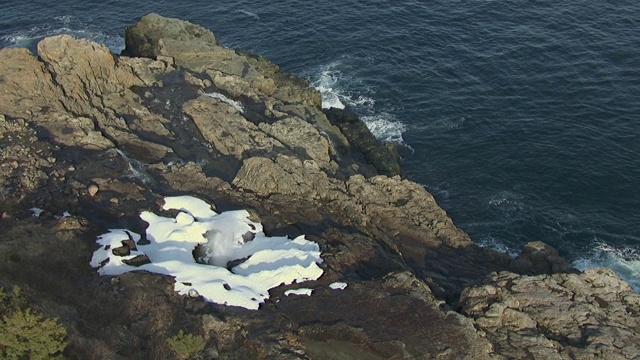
x,y
559,316
102,137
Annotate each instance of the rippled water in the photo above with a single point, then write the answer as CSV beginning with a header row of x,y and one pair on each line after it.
x,y
521,117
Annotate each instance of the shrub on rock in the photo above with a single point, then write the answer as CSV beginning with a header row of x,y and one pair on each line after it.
x,y
27,335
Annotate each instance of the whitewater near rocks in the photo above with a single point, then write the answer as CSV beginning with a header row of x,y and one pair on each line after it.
x,y
389,273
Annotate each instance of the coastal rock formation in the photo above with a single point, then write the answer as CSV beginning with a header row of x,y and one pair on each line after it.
x,y
100,137
559,316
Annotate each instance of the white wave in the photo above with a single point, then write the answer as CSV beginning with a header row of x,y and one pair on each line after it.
x,y
495,244
249,13
329,98
385,127
335,87
29,38
326,82
624,261
507,202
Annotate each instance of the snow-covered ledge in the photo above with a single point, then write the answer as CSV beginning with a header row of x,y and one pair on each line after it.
x,y
270,261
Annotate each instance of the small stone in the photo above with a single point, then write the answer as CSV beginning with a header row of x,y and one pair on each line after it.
x,y
93,189
193,293
121,251
130,244
138,261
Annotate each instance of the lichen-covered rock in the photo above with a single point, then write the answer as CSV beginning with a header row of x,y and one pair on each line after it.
x,y
142,38
558,316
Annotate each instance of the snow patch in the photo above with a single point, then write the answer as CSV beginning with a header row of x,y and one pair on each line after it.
x,y
300,291
338,286
229,237
36,211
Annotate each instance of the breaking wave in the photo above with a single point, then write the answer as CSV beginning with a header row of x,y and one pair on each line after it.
x,y
624,261
340,90
29,38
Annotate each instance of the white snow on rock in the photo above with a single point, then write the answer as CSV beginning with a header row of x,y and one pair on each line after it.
x,y
338,286
195,207
36,212
300,291
270,261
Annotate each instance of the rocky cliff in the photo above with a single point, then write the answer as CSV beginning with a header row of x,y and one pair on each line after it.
x,y
102,137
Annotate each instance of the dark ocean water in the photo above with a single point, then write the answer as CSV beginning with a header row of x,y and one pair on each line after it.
x,y
521,117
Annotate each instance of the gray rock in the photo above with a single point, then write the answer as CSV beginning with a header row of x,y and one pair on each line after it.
x,y
142,38
562,316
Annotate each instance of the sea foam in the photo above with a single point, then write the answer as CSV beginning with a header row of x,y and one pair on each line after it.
x,y
334,86
624,261
70,25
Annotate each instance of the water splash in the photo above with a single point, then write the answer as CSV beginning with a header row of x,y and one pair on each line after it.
x,y
335,86
625,261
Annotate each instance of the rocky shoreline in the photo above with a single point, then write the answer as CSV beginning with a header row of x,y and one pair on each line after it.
x,y
103,137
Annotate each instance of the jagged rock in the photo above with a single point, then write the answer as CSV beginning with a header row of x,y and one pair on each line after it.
x,y
287,175
138,260
27,87
300,137
383,158
558,316
540,258
130,244
227,130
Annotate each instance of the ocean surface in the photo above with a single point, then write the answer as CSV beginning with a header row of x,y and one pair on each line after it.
x,y
521,117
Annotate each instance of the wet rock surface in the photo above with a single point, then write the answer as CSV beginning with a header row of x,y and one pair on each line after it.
x,y
103,137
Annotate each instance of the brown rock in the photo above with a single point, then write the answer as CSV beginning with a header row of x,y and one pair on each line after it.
x,y
540,258
121,251
553,316
142,38
137,261
130,244
92,189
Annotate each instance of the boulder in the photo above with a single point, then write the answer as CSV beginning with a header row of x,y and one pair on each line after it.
x,y
382,156
540,258
141,39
